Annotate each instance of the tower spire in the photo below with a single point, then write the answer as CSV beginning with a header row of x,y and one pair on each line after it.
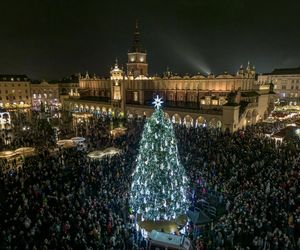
x,y
136,24
137,57
136,45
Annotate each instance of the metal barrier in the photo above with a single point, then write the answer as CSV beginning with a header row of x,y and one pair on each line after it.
x,y
206,207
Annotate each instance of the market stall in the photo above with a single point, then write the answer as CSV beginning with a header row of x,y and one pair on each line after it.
x,y
108,152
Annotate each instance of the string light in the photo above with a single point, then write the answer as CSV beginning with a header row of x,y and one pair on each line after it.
x,y
160,186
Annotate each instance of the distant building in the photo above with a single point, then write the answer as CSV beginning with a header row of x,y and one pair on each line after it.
x,y
286,84
68,88
227,101
46,94
68,85
18,92
14,92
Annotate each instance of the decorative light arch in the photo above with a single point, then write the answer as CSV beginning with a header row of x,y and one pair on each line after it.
x,y
200,122
176,119
188,121
213,123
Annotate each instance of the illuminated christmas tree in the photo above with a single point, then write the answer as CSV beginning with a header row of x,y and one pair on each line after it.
x,y
159,187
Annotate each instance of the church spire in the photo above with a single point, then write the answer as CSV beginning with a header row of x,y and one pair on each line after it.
x,y
137,57
136,45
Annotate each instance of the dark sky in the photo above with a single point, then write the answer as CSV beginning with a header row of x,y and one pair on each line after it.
x,y
49,39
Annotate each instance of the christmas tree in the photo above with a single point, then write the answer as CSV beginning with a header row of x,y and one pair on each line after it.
x,y
159,187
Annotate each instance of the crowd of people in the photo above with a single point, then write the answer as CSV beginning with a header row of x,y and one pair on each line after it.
x,y
259,180
64,200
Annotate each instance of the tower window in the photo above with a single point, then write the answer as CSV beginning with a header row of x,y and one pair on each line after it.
x,y
135,96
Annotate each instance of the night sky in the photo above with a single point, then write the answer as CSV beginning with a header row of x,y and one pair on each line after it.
x,y
50,39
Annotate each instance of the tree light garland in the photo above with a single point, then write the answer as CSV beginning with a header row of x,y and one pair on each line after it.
x,y
159,185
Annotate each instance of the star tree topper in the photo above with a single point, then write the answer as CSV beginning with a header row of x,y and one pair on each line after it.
x,y
157,102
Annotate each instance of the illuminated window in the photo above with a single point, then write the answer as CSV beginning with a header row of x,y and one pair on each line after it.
x,y
135,96
13,91
207,100
117,92
214,102
202,101
34,96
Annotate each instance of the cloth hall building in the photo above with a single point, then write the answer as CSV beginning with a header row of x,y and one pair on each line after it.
x,y
227,101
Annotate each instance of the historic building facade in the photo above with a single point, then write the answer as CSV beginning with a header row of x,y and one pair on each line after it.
x,y
286,84
14,92
18,92
227,101
43,93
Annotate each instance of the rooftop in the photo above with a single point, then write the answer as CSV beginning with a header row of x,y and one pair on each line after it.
x,y
13,78
285,71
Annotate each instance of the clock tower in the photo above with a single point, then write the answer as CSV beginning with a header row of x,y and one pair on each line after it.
x,y
137,57
117,90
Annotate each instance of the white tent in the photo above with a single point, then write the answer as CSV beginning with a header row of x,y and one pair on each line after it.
x,y
66,143
99,154
78,139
